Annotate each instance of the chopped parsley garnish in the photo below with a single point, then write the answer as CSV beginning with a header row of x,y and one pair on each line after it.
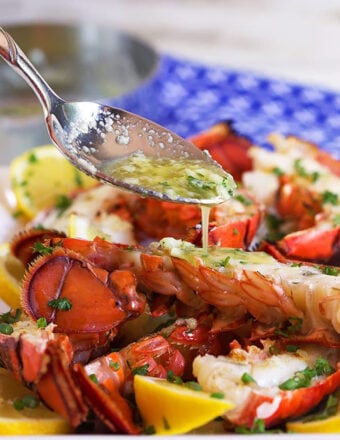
x,y
217,395
32,158
292,348
302,172
171,377
293,327
11,317
329,197
193,385
114,365
6,329
224,262
62,203
28,401
244,200
94,378
142,370
42,249
17,214
60,304
278,172
201,184
150,430
329,270
78,179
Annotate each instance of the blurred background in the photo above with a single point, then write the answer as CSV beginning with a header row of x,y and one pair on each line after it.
x,y
269,65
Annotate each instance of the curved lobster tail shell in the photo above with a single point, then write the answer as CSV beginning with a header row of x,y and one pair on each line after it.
x,y
110,407
23,244
287,405
58,389
312,244
41,360
227,147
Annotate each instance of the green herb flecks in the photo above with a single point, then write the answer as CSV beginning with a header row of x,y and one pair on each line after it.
x,y
302,172
11,317
201,184
42,322
28,401
247,378
6,329
94,378
60,304
258,427
42,249
32,158
62,203
293,327
171,377
329,197
303,378
244,200
142,370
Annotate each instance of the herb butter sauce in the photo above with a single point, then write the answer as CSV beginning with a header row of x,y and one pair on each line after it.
x,y
182,178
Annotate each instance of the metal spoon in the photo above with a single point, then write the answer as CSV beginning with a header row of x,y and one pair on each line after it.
x,y
90,134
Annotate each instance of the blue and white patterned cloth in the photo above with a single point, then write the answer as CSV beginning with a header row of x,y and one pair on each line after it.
x,y
188,97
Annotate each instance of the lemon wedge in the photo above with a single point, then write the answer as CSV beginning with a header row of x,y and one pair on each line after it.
x,y
328,425
168,408
42,177
11,273
29,419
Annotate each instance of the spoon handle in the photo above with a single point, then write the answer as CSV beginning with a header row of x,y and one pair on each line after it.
x,y
15,57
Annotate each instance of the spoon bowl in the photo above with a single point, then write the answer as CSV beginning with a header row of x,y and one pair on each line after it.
x,y
93,135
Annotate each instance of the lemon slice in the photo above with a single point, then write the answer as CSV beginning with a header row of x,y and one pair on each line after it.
x,y
167,408
42,176
11,273
327,426
38,420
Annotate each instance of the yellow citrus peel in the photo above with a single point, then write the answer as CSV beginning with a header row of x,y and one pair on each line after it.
x,y
42,177
26,421
168,408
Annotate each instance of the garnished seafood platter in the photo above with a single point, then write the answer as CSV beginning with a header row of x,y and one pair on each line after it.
x,y
131,315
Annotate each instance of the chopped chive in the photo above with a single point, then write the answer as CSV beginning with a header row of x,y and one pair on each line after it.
x,y
171,377
114,365
247,378
94,378
6,329
142,370
217,395
193,385
42,322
